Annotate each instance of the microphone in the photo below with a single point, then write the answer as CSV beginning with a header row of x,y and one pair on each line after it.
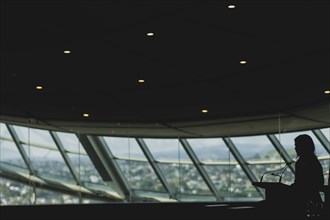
x,y
283,170
280,171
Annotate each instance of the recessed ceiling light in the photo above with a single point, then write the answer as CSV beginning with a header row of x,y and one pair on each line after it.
x,y
86,115
141,80
150,34
231,6
38,87
67,51
205,111
327,92
242,62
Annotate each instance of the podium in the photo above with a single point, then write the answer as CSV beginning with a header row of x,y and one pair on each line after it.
x,y
275,191
279,196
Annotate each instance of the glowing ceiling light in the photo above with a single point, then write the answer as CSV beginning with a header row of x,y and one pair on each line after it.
x,y
231,6
38,87
150,34
327,92
242,62
205,111
141,81
86,115
67,52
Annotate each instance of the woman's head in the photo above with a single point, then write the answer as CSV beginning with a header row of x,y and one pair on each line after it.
x,y
304,145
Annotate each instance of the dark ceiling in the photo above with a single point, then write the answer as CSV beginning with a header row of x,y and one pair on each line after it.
x,y
191,63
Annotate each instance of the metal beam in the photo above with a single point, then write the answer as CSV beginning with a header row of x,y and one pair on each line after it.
x,y
323,140
242,163
93,155
110,165
155,166
200,168
20,149
67,160
280,149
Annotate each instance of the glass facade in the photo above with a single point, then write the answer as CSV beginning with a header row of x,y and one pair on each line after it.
x,y
39,166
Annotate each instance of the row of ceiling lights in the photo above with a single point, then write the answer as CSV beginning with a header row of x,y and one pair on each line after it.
x,y
242,62
86,115
141,80
150,34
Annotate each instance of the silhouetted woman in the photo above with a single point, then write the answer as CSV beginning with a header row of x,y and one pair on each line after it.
x,y
306,187
308,172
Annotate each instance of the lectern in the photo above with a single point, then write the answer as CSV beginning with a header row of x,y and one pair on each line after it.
x,y
275,191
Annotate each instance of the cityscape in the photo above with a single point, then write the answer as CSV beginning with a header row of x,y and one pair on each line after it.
x,y
185,182
184,179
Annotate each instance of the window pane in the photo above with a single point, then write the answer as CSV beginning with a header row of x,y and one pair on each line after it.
x,y
210,149
8,150
4,133
85,169
48,197
15,193
326,165
140,175
34,136
229,179
82,164
10,154
258,149
232,182
43,153
184,178
326,132
191,182
48,163
287,140
167,149
124,147
71,143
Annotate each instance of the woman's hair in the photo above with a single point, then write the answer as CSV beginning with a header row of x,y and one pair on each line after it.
x,y
306,144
